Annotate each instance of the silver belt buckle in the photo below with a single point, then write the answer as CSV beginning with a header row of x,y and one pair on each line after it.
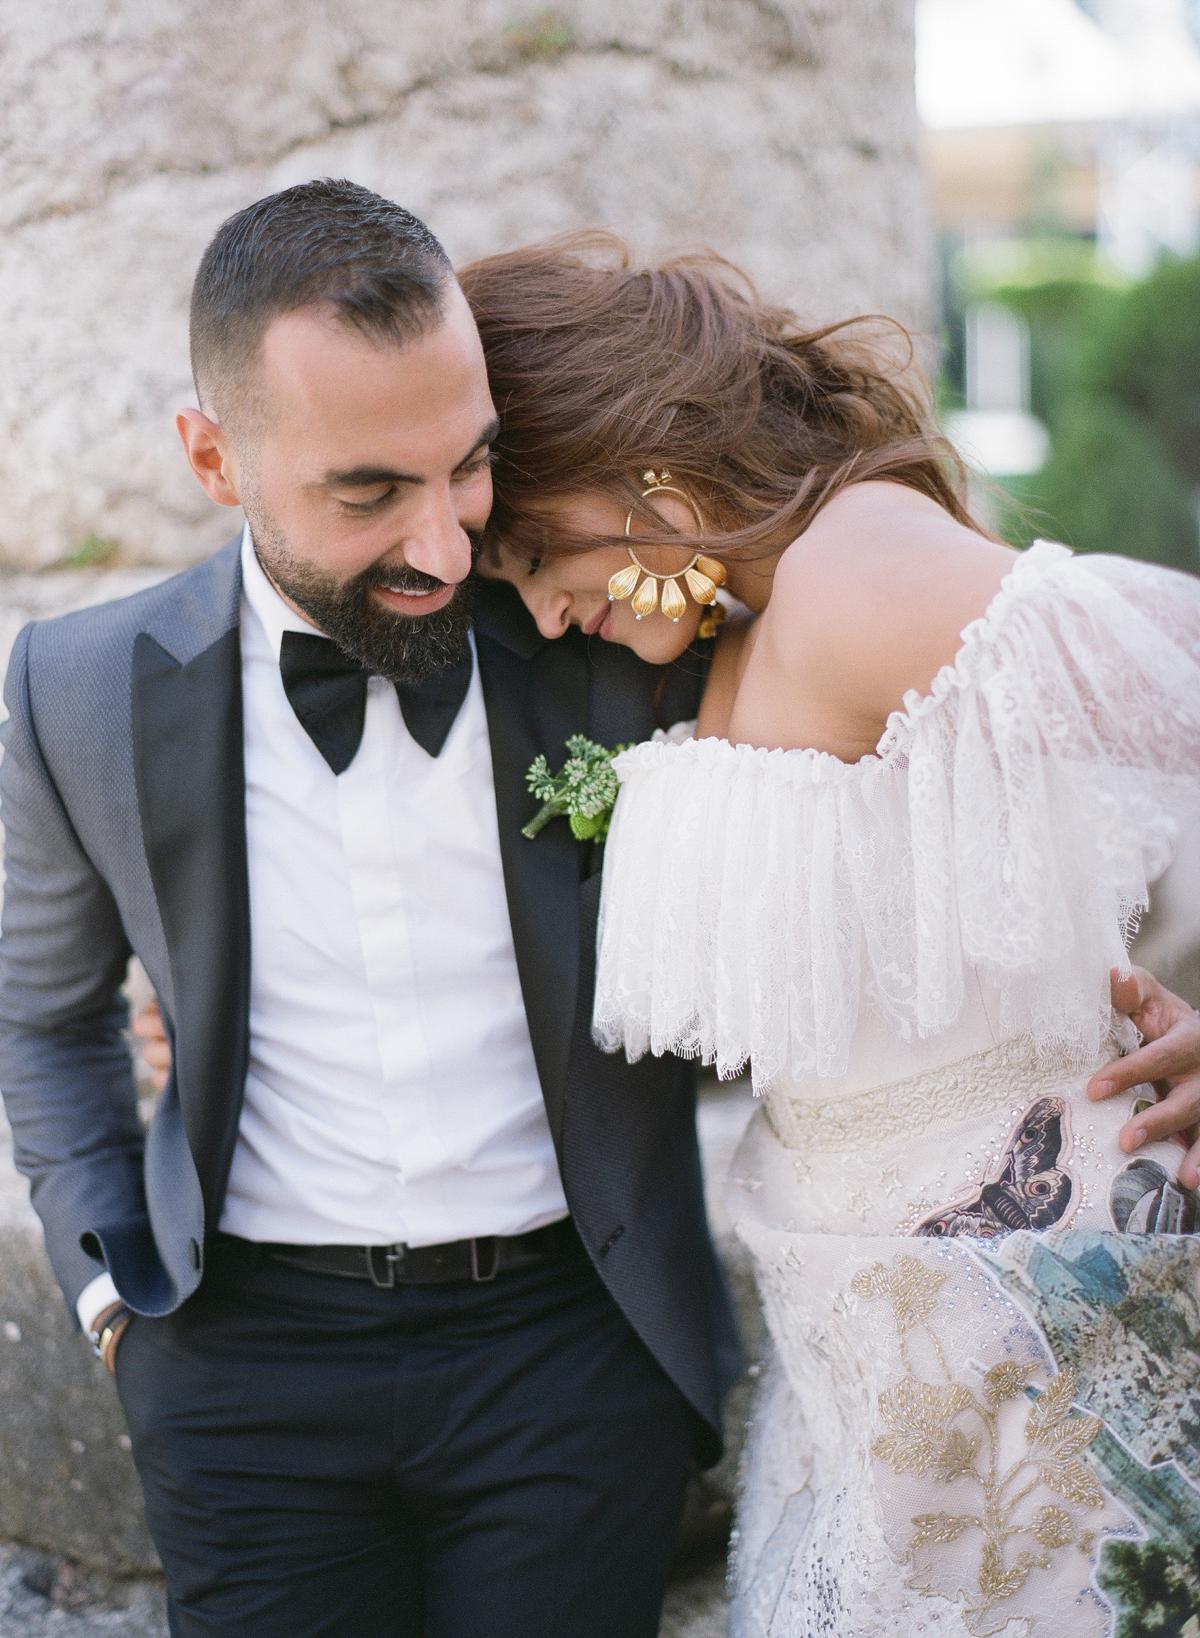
x,y
391,1256
478,1276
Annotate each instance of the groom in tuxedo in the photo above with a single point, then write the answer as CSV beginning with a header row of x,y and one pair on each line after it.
x,y
411,1300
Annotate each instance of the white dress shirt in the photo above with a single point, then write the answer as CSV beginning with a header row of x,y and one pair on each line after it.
x,y
391,1093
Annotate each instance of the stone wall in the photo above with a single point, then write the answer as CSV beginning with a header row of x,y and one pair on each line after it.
x,y
783,132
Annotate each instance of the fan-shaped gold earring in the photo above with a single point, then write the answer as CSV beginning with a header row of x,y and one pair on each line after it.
x,y
702,575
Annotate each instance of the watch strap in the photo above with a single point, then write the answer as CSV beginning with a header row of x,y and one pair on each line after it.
x,y
103,1335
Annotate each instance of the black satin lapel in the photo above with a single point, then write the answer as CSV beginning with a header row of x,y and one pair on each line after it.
x,y
630,699
187,732
533,705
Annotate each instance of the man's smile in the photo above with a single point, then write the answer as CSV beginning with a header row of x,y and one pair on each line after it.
x,y
415,602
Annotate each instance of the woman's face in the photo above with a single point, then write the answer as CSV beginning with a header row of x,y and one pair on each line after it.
x,y
572,589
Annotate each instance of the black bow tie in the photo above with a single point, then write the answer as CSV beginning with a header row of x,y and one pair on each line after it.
x,y
328,692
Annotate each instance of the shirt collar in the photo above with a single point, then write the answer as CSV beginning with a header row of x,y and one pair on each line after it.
x,y
274,616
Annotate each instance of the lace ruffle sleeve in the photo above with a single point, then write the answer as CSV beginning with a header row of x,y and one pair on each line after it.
x,y
1010,822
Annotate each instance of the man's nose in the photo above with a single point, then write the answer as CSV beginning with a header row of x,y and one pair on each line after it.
x,y
437,543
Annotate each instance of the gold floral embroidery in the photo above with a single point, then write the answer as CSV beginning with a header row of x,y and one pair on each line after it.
x,y
909,1285
946,1431
921,1414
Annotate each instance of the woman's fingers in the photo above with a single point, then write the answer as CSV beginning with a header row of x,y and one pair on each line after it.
x,y
1178,1112
1175,1056
148,1028
1150,1004
157,1055
1169,1060
1132,992
147,1022
1171,1030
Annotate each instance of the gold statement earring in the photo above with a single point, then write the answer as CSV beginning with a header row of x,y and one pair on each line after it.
x,y
702,575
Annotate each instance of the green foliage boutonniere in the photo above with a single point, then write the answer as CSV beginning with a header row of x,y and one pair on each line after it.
x,y
584,789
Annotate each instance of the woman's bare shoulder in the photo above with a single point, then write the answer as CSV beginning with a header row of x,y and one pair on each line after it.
x,y
874,595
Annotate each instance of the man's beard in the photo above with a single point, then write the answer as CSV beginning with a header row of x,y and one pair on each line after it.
x,y
400,647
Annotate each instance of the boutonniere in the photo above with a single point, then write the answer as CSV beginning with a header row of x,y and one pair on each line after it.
x,y
584,790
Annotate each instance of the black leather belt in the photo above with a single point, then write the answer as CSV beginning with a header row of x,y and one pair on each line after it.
x,y
478,1260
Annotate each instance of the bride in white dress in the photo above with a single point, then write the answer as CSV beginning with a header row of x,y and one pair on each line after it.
x,y
888,873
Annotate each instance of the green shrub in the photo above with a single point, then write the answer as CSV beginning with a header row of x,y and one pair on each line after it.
x,y
1115,376
1108,486
1146,353
1061,289
1061,315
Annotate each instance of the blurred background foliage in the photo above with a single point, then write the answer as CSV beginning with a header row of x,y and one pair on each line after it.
x,y
1062,139
1114,376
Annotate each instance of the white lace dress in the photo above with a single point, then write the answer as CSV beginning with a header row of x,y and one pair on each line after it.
x,y
983,1411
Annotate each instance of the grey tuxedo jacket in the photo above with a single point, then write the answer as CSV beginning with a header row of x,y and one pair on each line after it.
x,y
122,798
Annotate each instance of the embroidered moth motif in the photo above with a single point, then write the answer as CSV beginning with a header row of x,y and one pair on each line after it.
x,y
1030,1190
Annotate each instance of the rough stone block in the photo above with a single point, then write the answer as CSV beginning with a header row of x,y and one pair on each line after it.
x,y
783,133
45,1597
67,1483
696,1606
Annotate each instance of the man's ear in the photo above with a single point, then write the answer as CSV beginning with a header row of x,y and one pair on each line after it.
x,y
209,456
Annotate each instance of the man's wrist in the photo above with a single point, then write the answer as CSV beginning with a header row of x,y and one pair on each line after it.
x,y
97,1295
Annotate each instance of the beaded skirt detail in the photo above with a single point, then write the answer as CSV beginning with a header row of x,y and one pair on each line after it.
x,y
982,1413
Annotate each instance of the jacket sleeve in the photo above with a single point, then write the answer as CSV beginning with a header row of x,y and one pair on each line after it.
x,y
65,1067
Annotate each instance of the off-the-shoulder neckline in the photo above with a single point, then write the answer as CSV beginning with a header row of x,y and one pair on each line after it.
x,y
898,730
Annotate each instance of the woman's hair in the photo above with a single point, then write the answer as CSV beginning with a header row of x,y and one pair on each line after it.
x,y
600,370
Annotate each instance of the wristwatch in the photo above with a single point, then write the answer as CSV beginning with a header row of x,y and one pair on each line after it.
x,y
103,1336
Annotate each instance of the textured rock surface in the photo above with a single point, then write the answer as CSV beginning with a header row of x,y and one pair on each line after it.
x,y
781,131
67,1483
696,1606
44,1597
25,597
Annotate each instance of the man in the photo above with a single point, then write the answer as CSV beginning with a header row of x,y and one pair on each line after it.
x,y
427,1325
379,1381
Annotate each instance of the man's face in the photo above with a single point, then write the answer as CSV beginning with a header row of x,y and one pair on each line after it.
x,y
365,479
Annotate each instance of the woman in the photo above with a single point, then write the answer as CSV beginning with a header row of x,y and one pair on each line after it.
x,y
890,871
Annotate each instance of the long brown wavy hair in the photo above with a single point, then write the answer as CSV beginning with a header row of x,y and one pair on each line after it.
x,y
600,369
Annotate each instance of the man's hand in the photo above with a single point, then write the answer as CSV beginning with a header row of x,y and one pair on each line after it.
x,y
1169,1061
156,1051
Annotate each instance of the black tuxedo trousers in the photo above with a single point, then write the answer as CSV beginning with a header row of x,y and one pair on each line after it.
x,y
322,1459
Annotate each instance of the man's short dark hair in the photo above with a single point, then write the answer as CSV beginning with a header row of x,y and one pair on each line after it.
x,y
326,242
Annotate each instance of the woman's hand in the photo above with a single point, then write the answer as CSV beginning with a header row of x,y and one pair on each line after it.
x,y
156,1051
1169,1061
